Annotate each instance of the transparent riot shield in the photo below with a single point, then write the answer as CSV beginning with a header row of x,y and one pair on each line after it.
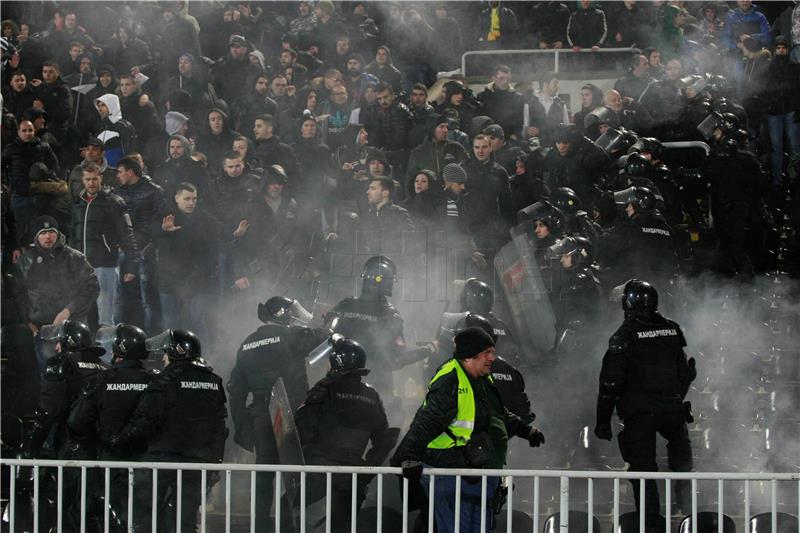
x,y
289,450
525,291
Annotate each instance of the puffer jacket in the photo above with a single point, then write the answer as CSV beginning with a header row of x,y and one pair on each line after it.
x,y
18,157
48,281
100,227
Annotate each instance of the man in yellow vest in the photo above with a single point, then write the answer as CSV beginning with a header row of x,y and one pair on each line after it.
x,y
462,424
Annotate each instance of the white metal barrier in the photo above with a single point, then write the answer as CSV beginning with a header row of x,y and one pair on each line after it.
x,y
555,52
564,478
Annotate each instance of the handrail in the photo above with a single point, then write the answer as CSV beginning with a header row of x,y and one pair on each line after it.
x,y
321,469
556,51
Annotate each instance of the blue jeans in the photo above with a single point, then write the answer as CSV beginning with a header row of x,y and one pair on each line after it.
x,y
178,312
148,291
109,279
780,125
444,503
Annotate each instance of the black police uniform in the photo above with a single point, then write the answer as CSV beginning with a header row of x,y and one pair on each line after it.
x,y
511,385
339,418
642,246
181,415
105,405
378,327
65,375
737,180
272,351
646,376
576,305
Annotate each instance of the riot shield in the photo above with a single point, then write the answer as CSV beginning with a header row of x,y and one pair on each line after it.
x,y
525,291
288,441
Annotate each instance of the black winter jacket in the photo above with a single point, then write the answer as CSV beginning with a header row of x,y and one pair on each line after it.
x,y
48,281
100,227
146,206
18,158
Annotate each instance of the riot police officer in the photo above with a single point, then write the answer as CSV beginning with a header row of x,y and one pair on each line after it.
x,y
107,403
373,322
478,297
642,244
737,185
577,300
275,350
181,415
76,363
340,417
576,220
646,376
507,379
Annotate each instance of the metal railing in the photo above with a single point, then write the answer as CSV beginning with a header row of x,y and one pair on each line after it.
x,y
555,52
564,478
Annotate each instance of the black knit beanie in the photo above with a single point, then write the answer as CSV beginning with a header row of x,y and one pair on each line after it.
x,y
470,342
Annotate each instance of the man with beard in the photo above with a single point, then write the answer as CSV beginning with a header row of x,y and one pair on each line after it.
x,y
254,103
181,168
435,152
54,283
393,125
356,79
288,61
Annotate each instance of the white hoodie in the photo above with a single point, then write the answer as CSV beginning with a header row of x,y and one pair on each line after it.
x,y
112,102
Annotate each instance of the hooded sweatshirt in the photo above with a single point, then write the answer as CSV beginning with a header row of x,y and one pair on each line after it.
x,y
117,134
173,172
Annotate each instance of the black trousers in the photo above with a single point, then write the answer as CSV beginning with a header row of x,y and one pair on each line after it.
x,y
637,442
166,502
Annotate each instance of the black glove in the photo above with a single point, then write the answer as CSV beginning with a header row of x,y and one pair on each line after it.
x,y
692,369
113,442
412,470
603,431
688,417
535,438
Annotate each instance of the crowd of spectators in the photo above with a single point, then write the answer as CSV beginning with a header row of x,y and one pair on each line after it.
x,y
196,151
